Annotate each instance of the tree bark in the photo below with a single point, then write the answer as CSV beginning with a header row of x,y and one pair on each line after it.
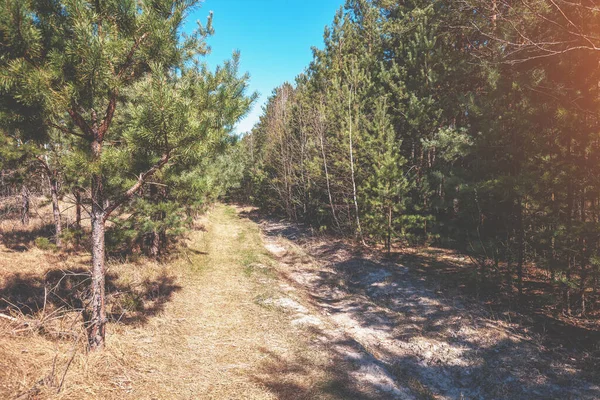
x,y
77,209
583,274
97,323
155,244
509,259
567,289
389,231
354,194
520,249
55,208
569,224
24,205
337,223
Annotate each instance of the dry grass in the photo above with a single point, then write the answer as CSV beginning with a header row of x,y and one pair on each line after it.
x,y
191,328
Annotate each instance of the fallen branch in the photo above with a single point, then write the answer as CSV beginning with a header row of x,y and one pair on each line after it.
x,y
8,317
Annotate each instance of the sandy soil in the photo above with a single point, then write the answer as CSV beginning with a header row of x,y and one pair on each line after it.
x,y
258,309
407,340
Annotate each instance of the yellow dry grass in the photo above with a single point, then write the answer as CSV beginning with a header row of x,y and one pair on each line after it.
x,y
200,333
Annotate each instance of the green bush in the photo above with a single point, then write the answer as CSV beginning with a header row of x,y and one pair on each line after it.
x,y
44,243
72,237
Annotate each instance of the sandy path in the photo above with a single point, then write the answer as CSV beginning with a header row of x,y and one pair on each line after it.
x,y
437,347
215,323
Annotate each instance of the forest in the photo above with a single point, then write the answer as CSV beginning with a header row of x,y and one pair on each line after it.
x,y
461,124
456,138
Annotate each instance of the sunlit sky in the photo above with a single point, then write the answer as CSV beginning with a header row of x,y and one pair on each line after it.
x,y
274,38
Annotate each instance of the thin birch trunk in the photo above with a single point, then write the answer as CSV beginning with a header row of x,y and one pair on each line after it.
x,y
337,223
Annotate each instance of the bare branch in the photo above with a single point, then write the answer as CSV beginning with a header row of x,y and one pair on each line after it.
x,y
562,27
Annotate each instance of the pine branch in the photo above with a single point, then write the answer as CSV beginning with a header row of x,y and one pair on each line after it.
x,y
67,131
44,164
110,112
136,186
81,124
129,58
112,103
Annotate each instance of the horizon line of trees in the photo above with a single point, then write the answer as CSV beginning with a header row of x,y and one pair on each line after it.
x,y
469,124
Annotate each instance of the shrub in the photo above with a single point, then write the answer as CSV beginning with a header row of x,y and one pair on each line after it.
x,y
44,243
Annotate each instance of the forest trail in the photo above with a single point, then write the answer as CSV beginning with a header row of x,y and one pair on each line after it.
x,y
205,327
436,347
256,309
223,335
212,333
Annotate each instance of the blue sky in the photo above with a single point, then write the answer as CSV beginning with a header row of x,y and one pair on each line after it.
x,y
273,36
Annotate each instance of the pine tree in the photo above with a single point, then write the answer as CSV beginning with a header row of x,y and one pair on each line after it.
x,y
77,64
386,187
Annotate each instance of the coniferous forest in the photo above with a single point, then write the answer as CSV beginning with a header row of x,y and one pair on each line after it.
x,y
471,125
417,215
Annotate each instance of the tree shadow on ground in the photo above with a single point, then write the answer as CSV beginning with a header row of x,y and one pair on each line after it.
x,y
298,376
21,240
535,309
29,294
277,227
457,279
507,365
432,341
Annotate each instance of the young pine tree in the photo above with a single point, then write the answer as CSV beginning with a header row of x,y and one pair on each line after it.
x,y
386,187
78,62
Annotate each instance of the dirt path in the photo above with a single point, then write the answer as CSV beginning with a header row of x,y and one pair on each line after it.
x,y
207,326
236,330
245,315
212,332
411,341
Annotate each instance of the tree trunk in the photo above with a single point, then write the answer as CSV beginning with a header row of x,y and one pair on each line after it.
x,y
55,209
337,223
569,242
354,195
155,244
509,271
77,209
97,322
520,249
389,231
24,205
155,237
583,302
567,289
